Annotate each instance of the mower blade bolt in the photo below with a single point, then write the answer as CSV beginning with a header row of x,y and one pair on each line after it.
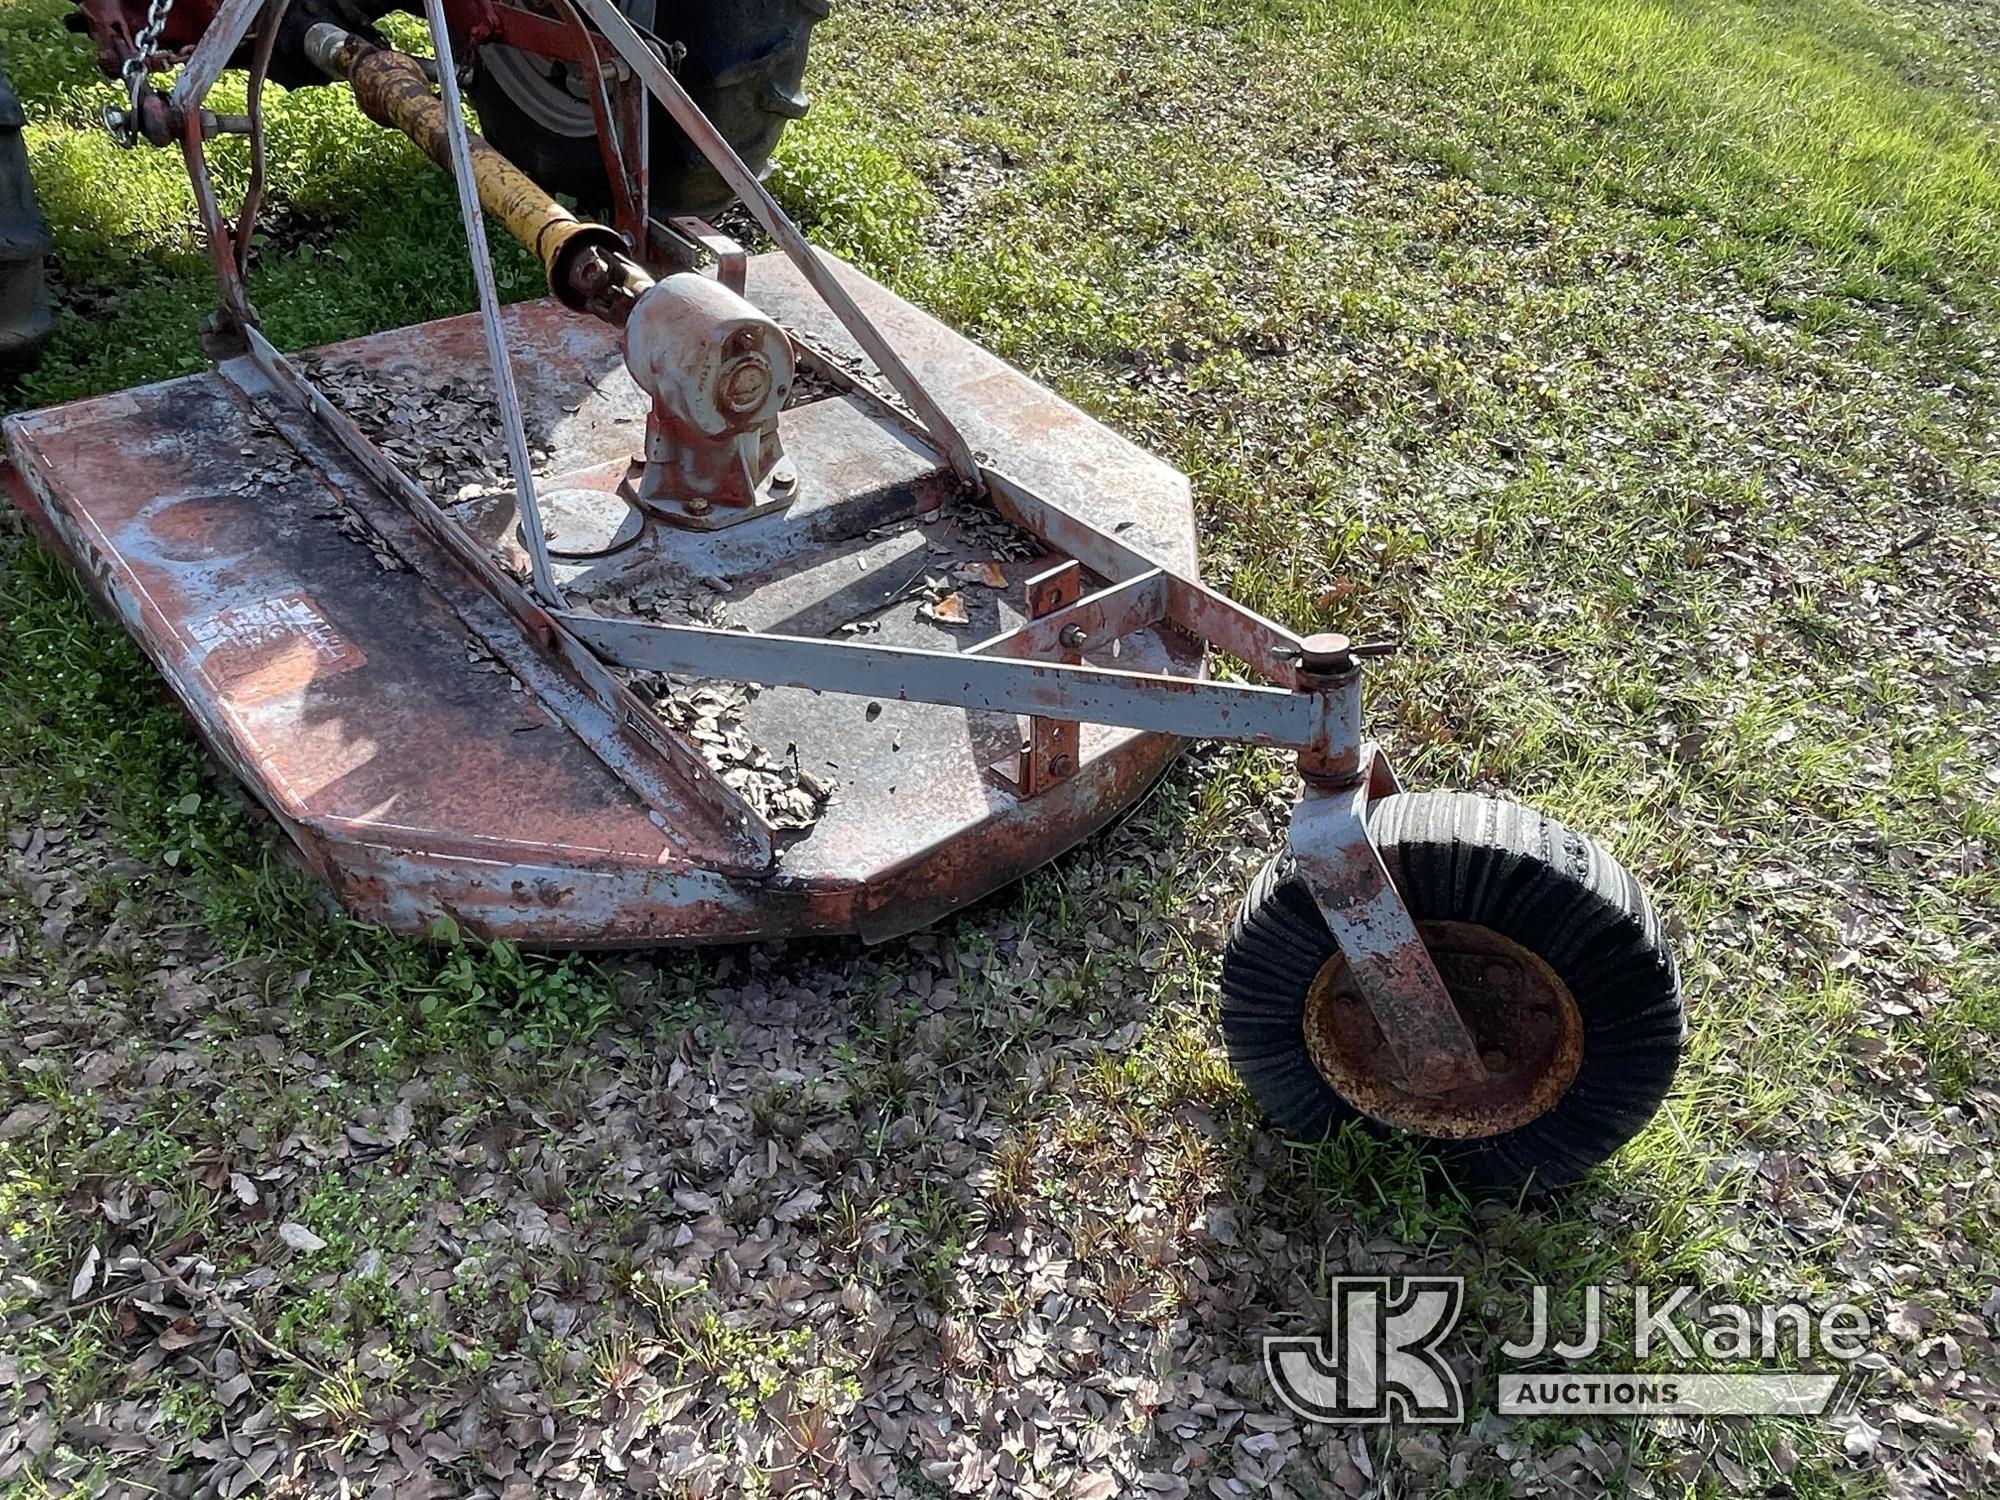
x,y
1074,636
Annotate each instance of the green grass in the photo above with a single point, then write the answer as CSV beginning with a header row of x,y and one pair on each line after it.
x,y
1788,126
1632,363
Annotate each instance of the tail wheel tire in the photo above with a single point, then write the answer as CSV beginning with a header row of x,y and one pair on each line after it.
x,y
26,316
745,65
1548,947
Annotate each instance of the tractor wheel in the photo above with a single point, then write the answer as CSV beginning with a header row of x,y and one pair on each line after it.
x,y
745,62
1548,947
26,318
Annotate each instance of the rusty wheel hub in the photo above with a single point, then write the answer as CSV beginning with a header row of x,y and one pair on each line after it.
x,y
1521,1015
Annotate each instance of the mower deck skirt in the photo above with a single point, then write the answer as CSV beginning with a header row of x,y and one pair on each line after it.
x,y
319,638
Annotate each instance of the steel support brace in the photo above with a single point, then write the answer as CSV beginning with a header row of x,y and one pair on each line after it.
x,y
511,426
225,33
1267,648
1386,957
1054,746
1103,617
1246,713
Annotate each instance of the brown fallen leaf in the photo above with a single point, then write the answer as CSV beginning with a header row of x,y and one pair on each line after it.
x,y
179,1334
986,574
24,1118
950,610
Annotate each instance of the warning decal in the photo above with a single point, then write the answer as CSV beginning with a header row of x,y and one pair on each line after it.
x,y
273,646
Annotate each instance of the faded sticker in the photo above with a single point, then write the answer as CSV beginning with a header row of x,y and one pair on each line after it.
x,y
273,646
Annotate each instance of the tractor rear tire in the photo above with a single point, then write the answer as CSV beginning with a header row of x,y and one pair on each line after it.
x,y
26,316
1569,942
745,64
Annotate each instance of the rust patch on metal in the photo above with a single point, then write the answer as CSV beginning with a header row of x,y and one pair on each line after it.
x,y
421,781
1054,745
1521,1015
1434,1052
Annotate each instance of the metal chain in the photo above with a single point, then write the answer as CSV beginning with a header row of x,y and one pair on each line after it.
x,y
135,70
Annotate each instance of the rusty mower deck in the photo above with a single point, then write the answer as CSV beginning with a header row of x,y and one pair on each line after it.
x,y
797,613
320,639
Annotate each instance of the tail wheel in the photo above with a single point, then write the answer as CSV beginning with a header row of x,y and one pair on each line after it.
x,y
1548,947
744,66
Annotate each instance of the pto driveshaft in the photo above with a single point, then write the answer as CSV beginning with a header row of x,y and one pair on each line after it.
x,y
586,263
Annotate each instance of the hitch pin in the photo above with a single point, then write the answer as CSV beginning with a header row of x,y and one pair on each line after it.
x,y
158,121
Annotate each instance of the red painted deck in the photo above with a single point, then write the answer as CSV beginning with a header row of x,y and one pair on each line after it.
x,y
338,678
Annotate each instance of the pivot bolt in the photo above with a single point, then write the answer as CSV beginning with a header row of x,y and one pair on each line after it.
x,y
1073,636
1329,655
